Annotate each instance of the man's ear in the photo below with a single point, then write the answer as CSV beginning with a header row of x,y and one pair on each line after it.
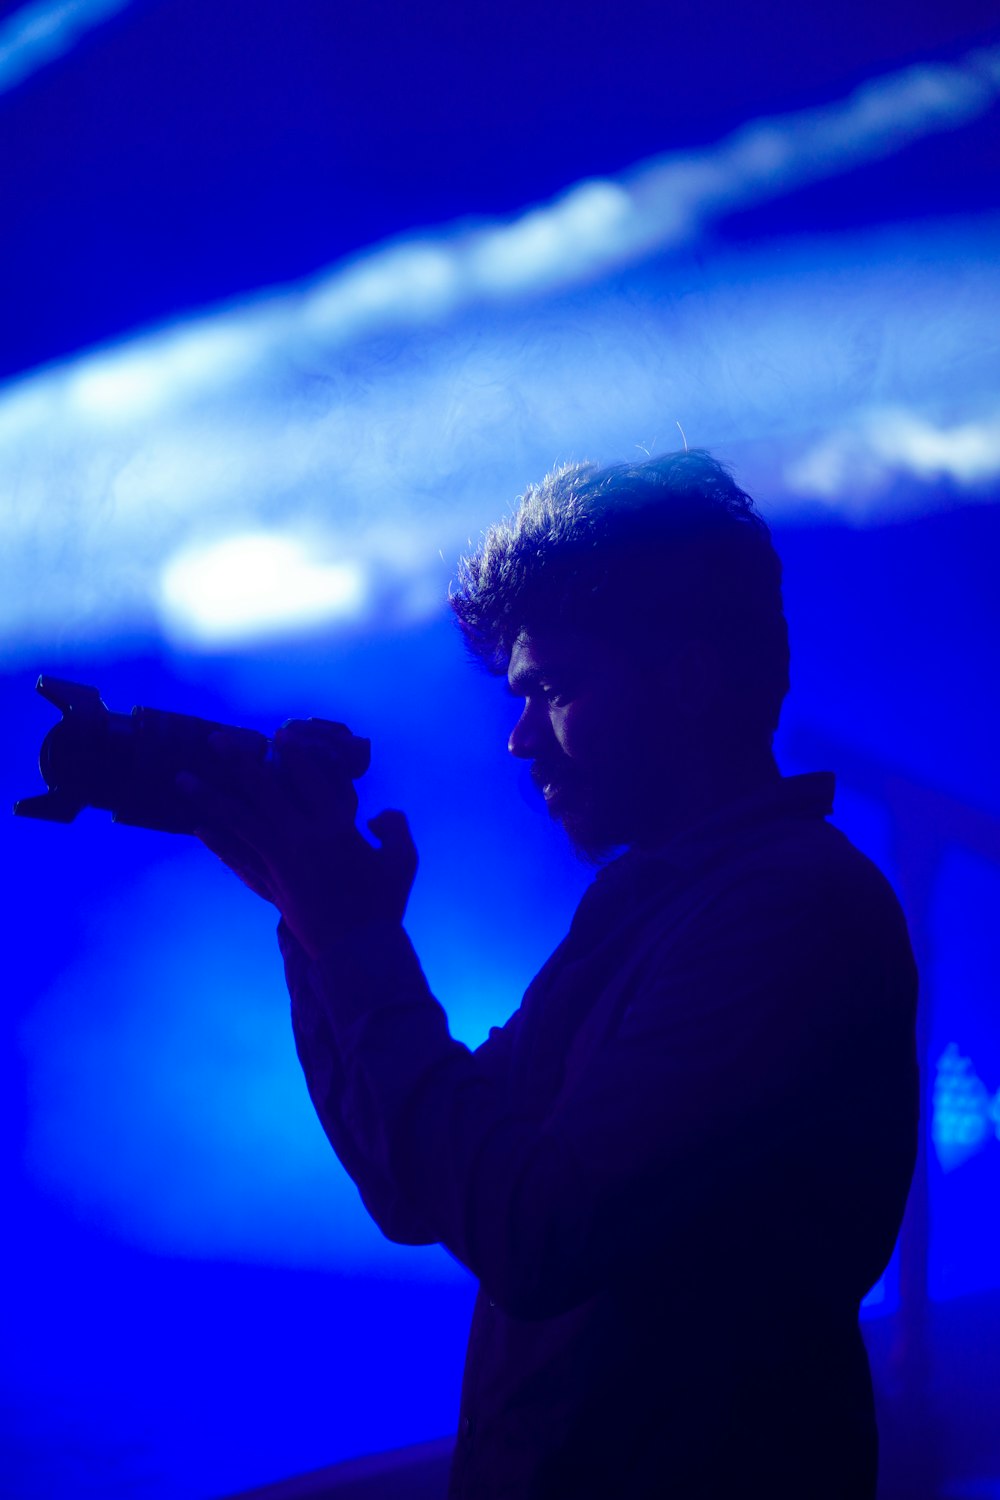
x,y
692,677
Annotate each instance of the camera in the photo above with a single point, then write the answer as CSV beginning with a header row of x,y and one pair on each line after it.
x,y
127,763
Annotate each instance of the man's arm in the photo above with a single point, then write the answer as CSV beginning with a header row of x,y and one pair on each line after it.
x,y
288,832
736,1044
383,1195
785,988
324,1073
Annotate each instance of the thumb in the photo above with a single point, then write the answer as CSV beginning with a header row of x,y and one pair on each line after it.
x,y
398,849
398,854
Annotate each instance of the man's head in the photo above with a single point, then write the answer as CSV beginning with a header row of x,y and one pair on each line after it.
x,y
637,610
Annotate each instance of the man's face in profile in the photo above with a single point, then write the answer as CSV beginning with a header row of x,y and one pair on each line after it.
x,y
598,732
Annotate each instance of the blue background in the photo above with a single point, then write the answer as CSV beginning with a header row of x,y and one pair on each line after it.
x,y
250,290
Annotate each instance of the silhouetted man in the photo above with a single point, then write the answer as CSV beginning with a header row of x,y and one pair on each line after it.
x,y
682,1162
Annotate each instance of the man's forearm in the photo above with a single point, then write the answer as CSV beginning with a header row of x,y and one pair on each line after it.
x,y
323,1067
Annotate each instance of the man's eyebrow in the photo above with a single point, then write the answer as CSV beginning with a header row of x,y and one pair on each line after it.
x,y
532,677
523,681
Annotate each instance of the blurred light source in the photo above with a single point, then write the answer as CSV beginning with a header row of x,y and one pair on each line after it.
x,y
37,34
966,1116
859,461
253,585
398,284
555,244
168,369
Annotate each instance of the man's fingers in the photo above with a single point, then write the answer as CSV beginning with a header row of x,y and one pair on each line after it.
x,y
334,742
392,830
243,768
317,779
217,811
239,858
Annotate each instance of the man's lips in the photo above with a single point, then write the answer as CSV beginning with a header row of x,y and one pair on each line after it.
x,y
551,786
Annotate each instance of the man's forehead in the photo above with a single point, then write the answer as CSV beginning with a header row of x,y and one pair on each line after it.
x,y
537,655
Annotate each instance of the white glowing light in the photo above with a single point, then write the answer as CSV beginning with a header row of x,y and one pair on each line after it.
x,y
116,387
172,368
37,34
409,283
856,462
967,451
554,244
246,586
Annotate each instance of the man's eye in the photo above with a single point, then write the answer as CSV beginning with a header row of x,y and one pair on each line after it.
x,y
555,696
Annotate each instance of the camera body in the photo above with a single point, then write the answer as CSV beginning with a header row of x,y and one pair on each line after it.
x,y
127,763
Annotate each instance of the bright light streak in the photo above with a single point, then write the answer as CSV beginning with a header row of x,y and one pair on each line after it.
x,y
966,452
657,206
37,34
172,368
398,285
554,245
851,465
247,586
803,362
593,229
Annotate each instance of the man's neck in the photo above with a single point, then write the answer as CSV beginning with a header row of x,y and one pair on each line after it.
x,y
703,791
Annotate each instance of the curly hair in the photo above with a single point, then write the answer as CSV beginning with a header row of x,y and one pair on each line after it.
x,y
644,555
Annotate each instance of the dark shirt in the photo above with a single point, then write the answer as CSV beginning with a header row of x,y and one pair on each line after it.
x,y
676,1170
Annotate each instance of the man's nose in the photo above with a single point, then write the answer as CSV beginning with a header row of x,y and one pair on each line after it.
x,y
528,734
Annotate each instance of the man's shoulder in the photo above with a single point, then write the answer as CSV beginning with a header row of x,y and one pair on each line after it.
x,y
803,896
767,879
813,861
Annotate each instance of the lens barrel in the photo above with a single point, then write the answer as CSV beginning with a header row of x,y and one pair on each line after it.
x,y
127,763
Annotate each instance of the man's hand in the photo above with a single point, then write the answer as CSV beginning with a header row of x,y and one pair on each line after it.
x,y
287,830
